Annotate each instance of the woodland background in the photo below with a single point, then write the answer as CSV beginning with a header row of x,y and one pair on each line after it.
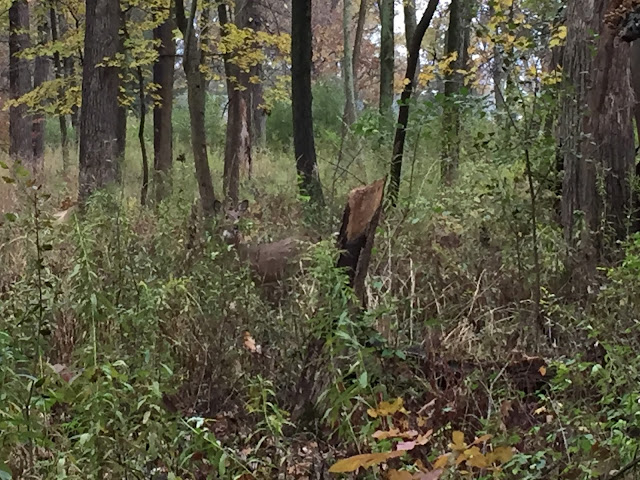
x,y
489,330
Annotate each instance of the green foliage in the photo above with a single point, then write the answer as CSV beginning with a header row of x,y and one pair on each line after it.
x,y
328,103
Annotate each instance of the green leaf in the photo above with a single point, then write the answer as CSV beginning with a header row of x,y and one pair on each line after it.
x,y
5,472
8,179
11,217
364,379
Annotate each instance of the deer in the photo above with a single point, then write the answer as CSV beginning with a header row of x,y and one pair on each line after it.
x,y
270,262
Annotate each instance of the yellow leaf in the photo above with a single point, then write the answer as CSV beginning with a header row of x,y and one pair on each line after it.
x,y
543,370
388,408
382,435
399,475
482,439
458,441
365,460
503,454
406,81
441,461
475,458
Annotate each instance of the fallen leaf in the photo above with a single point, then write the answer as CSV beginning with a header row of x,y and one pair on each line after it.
x,y
441,461
433,475
365,460
399,475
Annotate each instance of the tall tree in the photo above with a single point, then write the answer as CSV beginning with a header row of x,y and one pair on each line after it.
x,y
301,102
40,71
387,54
357,42
122,108
453,83
59,74
237,150
596,136
20,122
255,94
99,161
196,96
163,73
347,65
403,114
409,7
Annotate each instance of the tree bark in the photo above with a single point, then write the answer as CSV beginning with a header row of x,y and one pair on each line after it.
x,y
59,73
40,70
163,73
453,83
301,100
386,58
255,93
99,161
20,122
122,109
596,137
237,150
357,43
409,7
403,114
347,66
196,95
497,71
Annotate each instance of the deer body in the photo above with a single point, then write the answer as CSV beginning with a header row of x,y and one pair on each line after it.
x,y
270,262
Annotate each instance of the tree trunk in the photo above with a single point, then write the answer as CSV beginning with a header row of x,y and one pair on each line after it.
x,y
196,95
237,152
596,137
403,114
409,7
301,100
347,66
40,70
163,73
59,73
386,59
453,83
255,94
99,162
357,43
122,109
20,122
497,70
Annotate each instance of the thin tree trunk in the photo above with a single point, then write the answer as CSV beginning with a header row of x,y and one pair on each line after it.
x,y
403,115
347,66
122,109
40,71
386,59
99,162
143,146
357,43
301,100
59,73
453,83
196,98
409,7
596,138
497,71
255,90
163,73
20,122
237,150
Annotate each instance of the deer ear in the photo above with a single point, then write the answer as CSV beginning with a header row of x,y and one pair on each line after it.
x,y
243,206
217,206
